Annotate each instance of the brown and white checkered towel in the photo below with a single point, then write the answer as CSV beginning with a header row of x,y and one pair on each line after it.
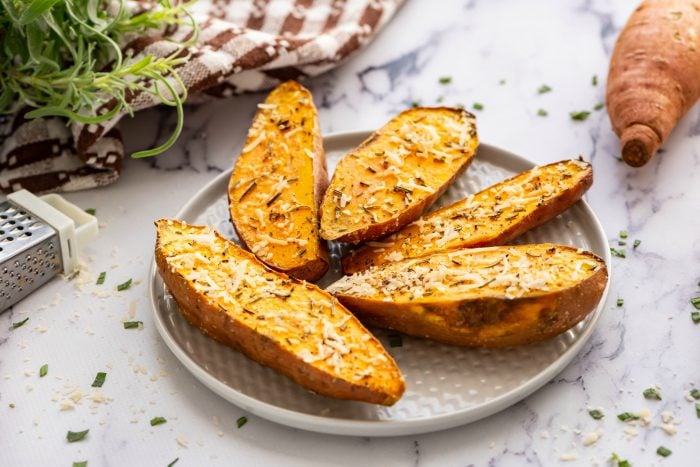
x,y
243,45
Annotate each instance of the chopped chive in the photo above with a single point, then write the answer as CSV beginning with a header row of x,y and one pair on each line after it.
x,y
652,393
594,80
173,462
241,421
415,104
623,234
697,409
620,301
132,324
12,406
90,211
544,89
101,278
478,106
395,340
440,99
599,106
99,379
618,253
542,113
663,451
695,316
158,421
502,82
80,464
695,393
620,462
621,243
579,115
19,324
696,302
636,244
44,370
74,436
445,79
124,285
596,414
626,416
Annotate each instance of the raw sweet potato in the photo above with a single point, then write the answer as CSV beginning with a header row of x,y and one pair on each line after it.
x,y
481,297
399,171
277,184
289,325
654,76
493,216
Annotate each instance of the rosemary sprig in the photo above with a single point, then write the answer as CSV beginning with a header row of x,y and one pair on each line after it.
x,y
64,59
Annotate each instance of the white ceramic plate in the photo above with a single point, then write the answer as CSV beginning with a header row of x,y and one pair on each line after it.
x,y
445,386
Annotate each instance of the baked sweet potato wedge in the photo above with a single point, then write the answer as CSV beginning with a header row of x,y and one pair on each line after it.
x,y
481,297
286,324
393,176
493,216
277,184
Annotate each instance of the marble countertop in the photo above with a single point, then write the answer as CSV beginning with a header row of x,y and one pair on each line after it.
x,y
498,54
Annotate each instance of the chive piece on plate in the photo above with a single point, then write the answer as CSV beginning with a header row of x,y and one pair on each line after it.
x,y
241,421
158,421
652,393
695,316
619,253
697,409
44,370
445,79
132,324
542,113
636,243
101,278
623,234
478,106
696,302
544,89
19,324
173,462
620,301
594,80
599,106
124,285
99,379
395,340
90,211
695,393
74,436
663,451
80,464
596,414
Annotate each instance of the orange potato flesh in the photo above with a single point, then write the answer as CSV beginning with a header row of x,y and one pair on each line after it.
x,y
392,177
481,297
277,183
289,325
494,216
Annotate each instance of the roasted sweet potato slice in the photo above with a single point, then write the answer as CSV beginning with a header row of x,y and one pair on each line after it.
x,y
277,184
393,176
289,325
493,216
481,297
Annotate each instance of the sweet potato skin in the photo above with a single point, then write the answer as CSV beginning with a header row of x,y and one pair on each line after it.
x,y
353,177
410,241
654,75
202,312
485,321
270,156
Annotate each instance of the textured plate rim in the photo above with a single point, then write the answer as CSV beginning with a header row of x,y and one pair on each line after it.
x,y
377,428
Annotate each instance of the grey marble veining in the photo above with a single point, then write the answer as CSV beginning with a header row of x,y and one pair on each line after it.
x,y
649,340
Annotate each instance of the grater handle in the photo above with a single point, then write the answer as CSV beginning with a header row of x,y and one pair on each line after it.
x,y
85,224
74,226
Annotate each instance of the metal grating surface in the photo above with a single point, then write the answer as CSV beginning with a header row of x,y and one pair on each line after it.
x,y
29,253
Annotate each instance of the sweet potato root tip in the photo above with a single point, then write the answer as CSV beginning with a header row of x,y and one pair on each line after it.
x,y
639,143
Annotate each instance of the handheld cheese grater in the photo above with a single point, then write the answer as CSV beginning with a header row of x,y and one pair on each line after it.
x,y
39,238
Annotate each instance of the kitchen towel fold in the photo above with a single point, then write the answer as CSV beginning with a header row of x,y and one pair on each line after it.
x,y
243,45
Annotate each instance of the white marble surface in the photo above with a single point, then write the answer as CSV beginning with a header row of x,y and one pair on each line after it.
x,y
648,341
